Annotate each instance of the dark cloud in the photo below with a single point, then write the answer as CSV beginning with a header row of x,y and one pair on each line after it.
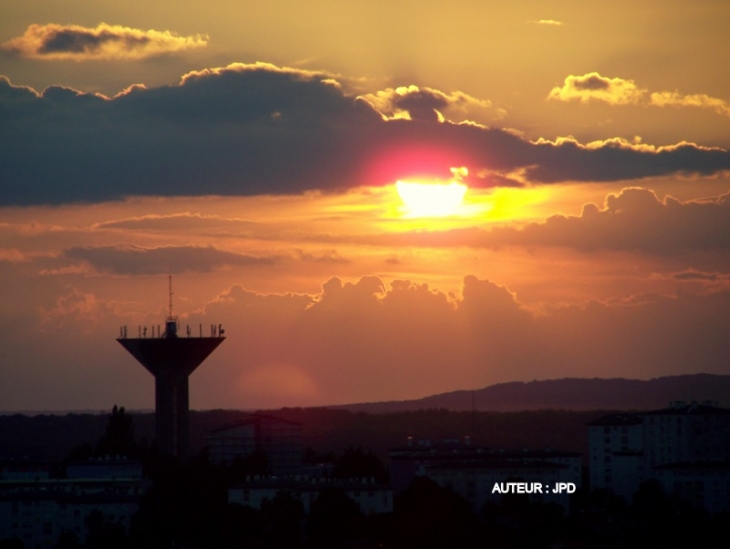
x,y
592,82
53,41
260,129
331,258
67,40
696,275
172,222
424,104
616,160
129,260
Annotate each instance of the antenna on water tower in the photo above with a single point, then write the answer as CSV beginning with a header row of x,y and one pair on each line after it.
x,y
169,280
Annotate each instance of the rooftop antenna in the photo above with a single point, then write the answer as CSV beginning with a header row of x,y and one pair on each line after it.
x,y
170,321
169,280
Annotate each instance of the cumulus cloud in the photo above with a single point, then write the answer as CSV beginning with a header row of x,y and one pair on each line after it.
x,y
355,340
129,260
414,103
260,129
593,86
635,220
675,99
103,42
619,91
76,308
370,340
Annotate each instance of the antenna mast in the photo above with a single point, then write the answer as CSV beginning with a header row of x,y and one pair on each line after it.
x,y
169,279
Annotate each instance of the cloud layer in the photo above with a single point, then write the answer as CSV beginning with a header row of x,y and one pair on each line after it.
x,y
633,220
261,129
104,42
127,260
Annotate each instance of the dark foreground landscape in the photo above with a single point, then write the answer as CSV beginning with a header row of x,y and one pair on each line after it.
x,y
201,502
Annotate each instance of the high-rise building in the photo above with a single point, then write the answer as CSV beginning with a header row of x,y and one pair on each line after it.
x,y
686,447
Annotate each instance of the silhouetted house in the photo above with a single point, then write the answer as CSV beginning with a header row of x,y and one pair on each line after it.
x,y
686,447
474,471
278,439
370,496
38,509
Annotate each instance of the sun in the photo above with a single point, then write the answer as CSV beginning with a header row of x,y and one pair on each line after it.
x,y
431,199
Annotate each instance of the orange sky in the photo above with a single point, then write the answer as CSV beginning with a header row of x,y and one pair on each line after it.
x,y
591,241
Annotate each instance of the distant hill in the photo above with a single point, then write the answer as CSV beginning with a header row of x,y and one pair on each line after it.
x,y
569,394
537,414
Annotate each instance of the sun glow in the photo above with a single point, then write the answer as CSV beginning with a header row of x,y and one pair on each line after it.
x,y
431,199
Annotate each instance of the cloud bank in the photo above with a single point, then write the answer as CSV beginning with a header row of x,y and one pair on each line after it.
x,y
104,42
369,340
259,129
633,220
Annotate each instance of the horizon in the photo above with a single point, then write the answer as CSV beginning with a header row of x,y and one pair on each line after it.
x,y
688,399
376,203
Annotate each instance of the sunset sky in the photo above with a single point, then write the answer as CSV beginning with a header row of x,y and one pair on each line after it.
x,y
253,151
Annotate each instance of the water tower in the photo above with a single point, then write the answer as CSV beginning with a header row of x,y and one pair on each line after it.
x,y
171,359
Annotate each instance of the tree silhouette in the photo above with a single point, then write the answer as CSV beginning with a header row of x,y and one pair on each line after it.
x,y
118,439
103,532
428,516
357,463
282,520
334,519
